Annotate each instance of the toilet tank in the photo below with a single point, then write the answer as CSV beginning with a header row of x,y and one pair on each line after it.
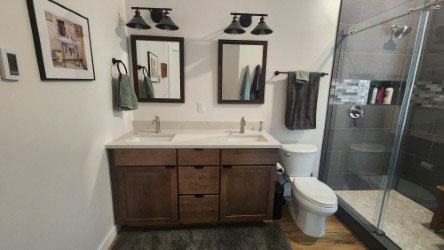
x,y
298,159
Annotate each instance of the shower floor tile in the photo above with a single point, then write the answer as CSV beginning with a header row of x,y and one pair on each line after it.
x,y
405,222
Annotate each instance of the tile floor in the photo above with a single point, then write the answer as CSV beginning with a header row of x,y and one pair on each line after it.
x,y
405,222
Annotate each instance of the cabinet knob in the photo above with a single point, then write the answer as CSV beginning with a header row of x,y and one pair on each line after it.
x,y
227,166
198,196
198,149
170,166
198,167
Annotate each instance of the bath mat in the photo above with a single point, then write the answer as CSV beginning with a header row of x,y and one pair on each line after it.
x,y
258,236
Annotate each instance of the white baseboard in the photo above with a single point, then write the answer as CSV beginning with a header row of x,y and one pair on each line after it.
x,y
106,243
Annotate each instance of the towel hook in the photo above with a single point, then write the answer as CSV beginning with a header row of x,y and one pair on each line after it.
x,y
118,62
143,68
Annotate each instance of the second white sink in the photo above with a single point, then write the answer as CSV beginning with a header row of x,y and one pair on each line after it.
x,y
246,138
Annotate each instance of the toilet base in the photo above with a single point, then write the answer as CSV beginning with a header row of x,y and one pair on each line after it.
x,y
311,224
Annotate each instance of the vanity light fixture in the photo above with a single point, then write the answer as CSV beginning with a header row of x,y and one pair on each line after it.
x,y
137,22
166,23
262,28
158,15
237,25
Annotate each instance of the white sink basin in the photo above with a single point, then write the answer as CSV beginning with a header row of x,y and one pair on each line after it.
x,y
245,138
151,137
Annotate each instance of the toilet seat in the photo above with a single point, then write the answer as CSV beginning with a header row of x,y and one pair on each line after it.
x,y
315,192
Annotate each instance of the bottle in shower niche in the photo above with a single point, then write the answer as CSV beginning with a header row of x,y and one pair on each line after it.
x,y
380,96
374,95
388,95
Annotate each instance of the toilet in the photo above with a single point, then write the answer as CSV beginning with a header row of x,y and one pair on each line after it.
x,y
311,200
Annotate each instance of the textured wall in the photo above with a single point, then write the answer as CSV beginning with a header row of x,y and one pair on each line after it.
x,y
54,184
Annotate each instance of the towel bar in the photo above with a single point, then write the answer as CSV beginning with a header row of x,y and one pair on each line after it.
x,y
286,72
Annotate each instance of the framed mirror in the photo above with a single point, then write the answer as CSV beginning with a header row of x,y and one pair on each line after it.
x,y
242,66
158,68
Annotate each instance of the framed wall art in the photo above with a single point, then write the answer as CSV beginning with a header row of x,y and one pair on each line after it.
x,y
62,41
153,67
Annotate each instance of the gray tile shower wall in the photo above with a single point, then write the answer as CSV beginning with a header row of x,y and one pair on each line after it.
x,y
429,90
358,149
422,159
432,68
364,55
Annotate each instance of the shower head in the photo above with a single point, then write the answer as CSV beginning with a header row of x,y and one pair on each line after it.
x,y
399,32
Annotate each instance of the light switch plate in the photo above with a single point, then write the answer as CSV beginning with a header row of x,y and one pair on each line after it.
x,y
9,69
200,107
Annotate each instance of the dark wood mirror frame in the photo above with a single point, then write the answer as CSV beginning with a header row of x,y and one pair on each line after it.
x,y
220,71
134,39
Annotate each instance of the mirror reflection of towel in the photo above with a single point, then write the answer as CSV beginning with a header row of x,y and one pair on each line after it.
x,y
148,86
256,84
246,85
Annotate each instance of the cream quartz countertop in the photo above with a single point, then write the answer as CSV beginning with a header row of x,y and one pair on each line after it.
x,y
195,139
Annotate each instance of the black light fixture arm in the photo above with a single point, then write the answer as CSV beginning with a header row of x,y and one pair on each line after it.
x,y
247,14
150,9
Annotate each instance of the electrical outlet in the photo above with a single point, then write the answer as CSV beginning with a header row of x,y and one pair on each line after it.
x,y
200,107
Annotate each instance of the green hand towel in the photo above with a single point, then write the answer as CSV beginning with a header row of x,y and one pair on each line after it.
x,y
149,87
302,76
246,85
127,99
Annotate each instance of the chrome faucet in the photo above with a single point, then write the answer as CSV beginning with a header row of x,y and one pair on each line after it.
x,y
156,122
242,125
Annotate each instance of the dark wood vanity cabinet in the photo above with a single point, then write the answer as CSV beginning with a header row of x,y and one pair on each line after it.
x,y
247,184
192,186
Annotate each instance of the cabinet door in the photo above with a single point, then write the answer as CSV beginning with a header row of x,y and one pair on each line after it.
x,y
246,193
147,195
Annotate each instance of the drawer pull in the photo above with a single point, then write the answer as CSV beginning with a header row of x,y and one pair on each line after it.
x,y
198,195
170,166
198,149
227,166
198,167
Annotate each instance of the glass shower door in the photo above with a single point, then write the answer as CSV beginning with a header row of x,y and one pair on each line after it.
x,y
362,127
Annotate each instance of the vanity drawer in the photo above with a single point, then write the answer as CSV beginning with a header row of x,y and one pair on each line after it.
x,y
249,156
144,157
195,209
199,179
199,156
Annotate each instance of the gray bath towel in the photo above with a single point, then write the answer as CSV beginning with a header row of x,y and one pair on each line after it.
x,y
302,100
127,99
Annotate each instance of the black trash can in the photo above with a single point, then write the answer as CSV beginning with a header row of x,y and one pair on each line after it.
x,y
278,201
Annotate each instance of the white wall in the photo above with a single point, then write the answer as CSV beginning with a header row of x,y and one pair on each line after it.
x,y
303,38
54,182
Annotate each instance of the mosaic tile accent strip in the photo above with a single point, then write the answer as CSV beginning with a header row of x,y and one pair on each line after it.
x,y
428,94
349,91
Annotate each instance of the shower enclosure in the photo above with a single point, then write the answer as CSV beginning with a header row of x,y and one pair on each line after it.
x,y
383,151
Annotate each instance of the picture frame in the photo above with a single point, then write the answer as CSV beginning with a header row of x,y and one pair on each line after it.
x,y
153,67
62,41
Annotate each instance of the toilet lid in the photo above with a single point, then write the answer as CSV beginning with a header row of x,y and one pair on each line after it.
x,y
315,191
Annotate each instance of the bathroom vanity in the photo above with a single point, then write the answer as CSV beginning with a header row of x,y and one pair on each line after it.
x,y
179,177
